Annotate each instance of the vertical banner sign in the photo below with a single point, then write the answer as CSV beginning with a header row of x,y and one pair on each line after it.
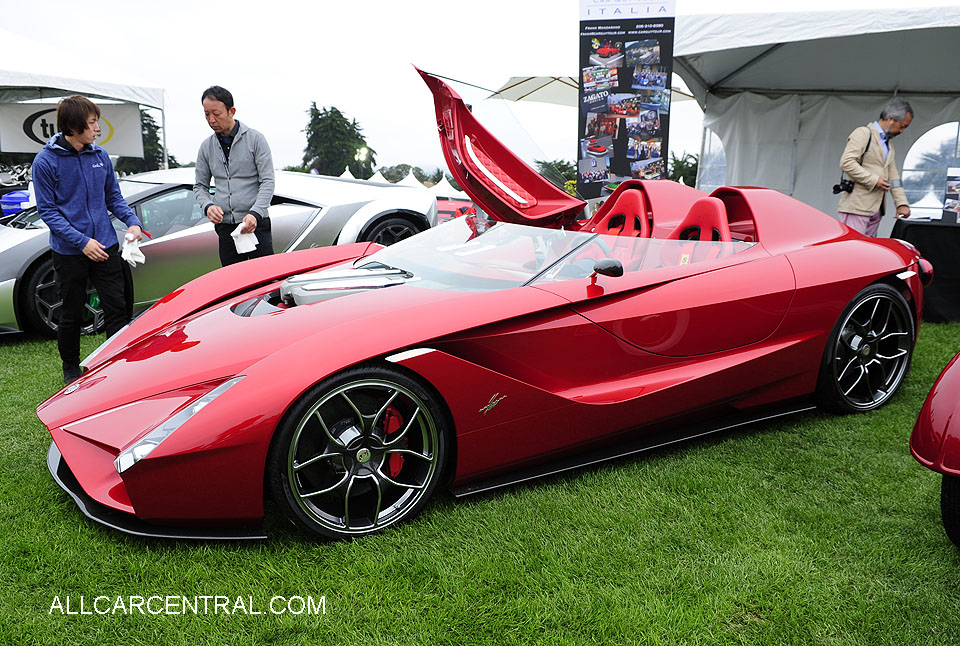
x,y
626,56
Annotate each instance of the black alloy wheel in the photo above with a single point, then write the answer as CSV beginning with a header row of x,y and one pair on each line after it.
x,y
361,451
41,303
869,351
391,230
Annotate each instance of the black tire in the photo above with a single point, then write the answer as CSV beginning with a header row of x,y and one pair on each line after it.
x,y
868,353
361,451
950,507
41,303
391,230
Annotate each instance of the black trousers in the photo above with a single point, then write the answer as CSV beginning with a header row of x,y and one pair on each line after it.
x,y
228,249
107,278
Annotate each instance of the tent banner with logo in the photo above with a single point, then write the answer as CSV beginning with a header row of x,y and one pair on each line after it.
x,y
626,51
26,127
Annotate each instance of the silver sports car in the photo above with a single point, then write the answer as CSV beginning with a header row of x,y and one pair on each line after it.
x,y
307,211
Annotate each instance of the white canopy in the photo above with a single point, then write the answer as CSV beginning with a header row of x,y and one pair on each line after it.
x,y
346,174
378,177
783,90
444,188
410,180
44,72
561,90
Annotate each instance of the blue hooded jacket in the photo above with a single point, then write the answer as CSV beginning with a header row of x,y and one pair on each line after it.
x,y
74,192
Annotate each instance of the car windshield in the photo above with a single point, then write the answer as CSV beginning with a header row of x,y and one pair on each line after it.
x,y
475,254
30,218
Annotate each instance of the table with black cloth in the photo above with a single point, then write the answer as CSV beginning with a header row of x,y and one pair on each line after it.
x,y
938,242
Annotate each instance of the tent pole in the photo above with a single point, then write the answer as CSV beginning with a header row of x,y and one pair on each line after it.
x,y
163,124
703,143
793,159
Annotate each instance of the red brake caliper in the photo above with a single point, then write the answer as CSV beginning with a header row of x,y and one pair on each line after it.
x,y
392,423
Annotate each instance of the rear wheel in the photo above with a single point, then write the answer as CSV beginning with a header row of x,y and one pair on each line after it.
x,y
391,230
950,507
359,452
41,303
868,353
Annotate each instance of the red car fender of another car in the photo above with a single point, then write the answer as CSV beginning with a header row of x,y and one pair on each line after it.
x,y
935,441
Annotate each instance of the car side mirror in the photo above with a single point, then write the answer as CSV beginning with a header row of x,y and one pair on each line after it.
x,y
607,267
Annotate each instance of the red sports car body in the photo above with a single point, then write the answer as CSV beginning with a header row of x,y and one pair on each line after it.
x,y
935,442
608,50
350,382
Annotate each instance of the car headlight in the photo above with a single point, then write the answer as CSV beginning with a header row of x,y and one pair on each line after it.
x,y
146,444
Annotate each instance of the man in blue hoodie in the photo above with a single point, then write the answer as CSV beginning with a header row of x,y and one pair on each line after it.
x,y
75,187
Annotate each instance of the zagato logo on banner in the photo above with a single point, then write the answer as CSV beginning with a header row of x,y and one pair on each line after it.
x,y
26,128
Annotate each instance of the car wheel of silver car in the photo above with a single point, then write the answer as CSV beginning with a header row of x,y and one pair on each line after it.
x,y
391,230
359,452
869,350
41,303
950,507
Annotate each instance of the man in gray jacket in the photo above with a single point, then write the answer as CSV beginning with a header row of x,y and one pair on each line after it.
x,y
239,160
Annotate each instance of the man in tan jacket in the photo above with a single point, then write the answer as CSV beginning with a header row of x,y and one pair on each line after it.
x,y
870,161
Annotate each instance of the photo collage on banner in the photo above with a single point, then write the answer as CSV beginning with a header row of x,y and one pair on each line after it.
x,y
626,52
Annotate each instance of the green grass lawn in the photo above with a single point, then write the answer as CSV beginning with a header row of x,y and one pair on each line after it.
x,y
815,530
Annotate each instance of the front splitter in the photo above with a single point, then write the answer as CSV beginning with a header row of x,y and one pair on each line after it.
x,y
129,524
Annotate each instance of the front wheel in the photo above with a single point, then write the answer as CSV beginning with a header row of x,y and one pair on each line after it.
x,y
361,451
41,303
950,507
868,353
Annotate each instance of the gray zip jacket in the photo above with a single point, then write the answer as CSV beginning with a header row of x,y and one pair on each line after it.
x,y
245,184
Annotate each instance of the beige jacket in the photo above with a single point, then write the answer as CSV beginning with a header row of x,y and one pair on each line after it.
x,y
866,198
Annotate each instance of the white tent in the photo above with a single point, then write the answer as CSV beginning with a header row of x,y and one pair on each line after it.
x,y
560,90
410,180
783,90
378,177
43,72
346,174
444,188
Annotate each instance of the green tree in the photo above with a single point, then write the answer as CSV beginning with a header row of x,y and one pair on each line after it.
x,y
683,168
398,172
558,171
395,173
935,163
425,177
152,150
335,142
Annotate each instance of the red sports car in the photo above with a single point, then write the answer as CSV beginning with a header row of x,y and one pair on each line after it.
x,y
596,149
608,50
349,383
935,443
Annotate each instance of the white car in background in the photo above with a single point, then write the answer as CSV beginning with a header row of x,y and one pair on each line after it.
x,y
307,211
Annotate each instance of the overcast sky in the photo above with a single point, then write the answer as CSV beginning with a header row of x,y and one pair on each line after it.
x,y
277,56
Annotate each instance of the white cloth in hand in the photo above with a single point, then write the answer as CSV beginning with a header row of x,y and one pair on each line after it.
x,y
131,251
244,242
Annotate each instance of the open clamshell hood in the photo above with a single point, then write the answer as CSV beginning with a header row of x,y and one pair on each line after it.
x,y
500,182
